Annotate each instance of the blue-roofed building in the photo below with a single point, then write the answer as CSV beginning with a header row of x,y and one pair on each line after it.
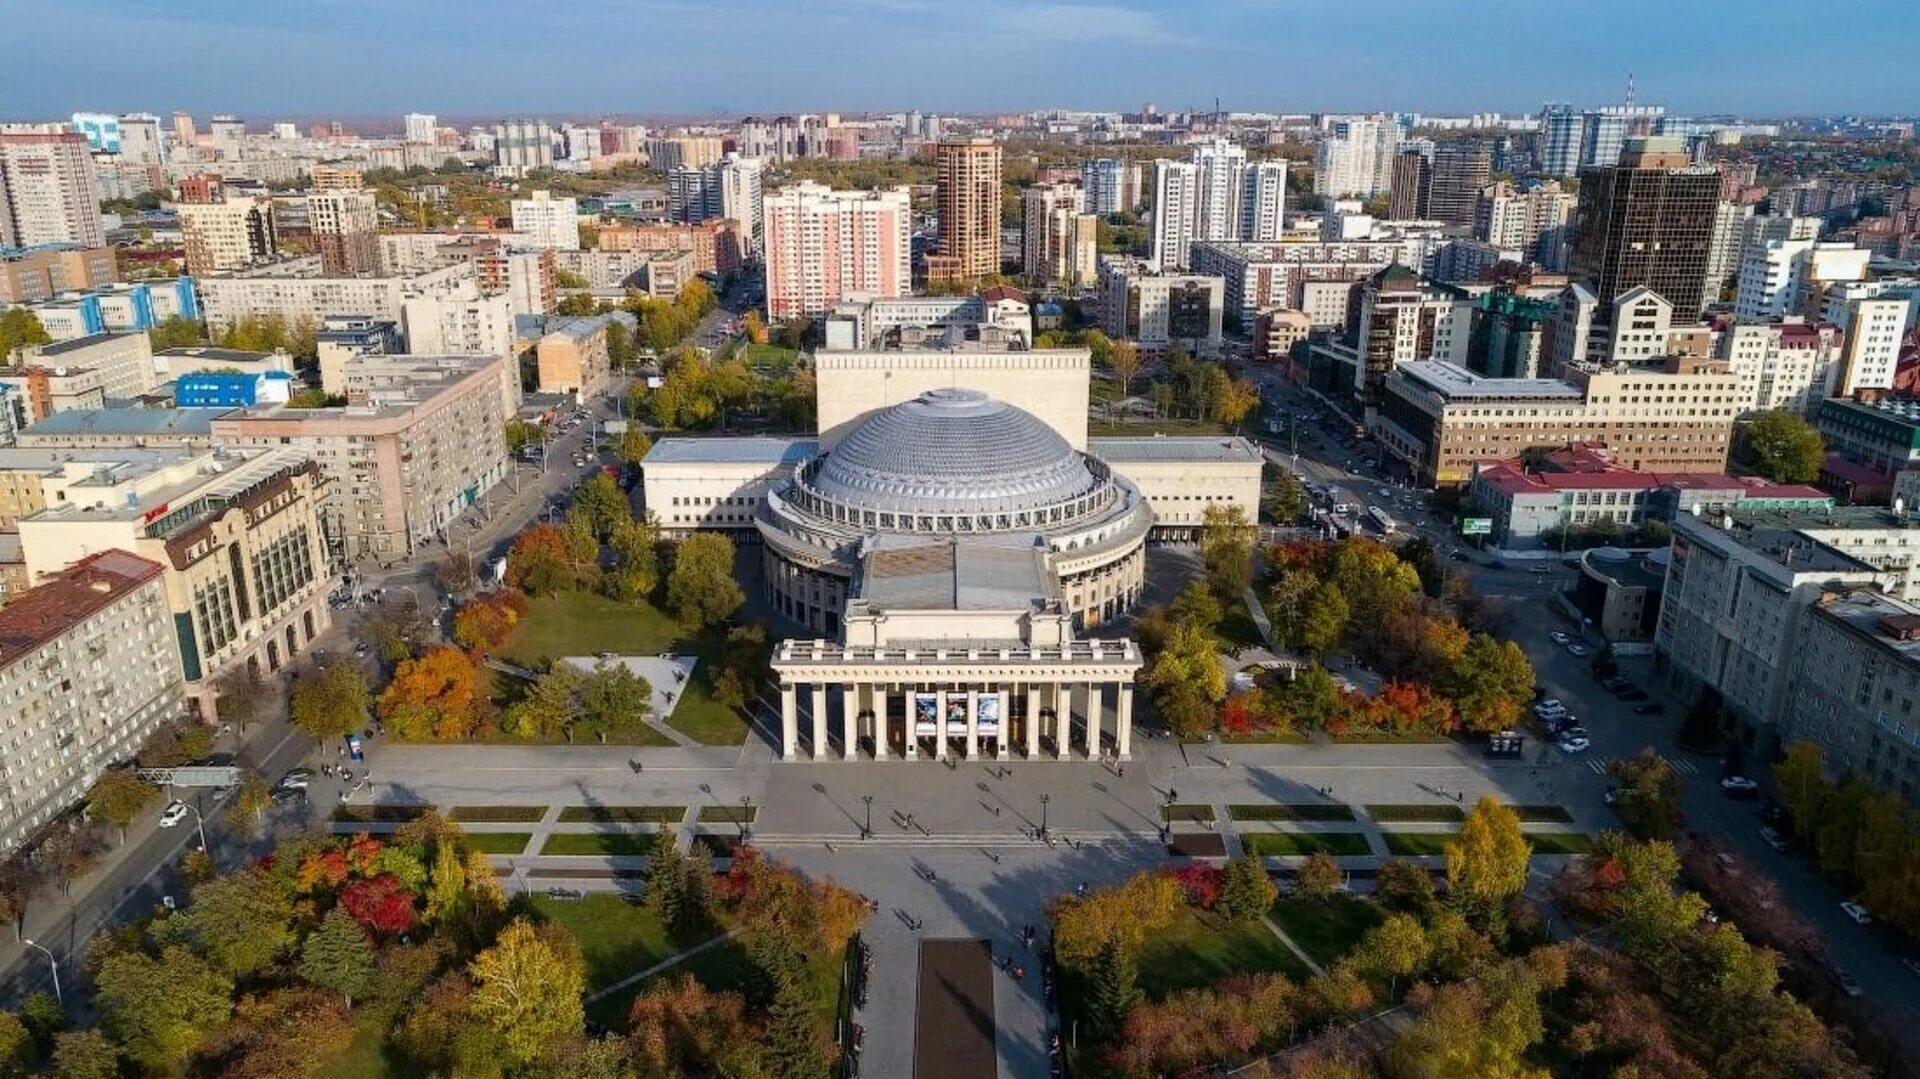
x,y
122,308
231,389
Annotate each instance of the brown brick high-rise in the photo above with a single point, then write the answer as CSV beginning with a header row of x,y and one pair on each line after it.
x,y
967,195
1647,221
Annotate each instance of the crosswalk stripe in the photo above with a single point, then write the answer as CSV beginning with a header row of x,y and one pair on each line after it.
x,y
1598,767
1687,768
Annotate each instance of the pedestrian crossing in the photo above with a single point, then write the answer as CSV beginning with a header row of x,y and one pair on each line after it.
x,y
1686,768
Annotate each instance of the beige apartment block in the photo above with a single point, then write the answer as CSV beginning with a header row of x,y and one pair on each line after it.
x,y
88,669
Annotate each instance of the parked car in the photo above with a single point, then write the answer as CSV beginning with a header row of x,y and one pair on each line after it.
x,y
1655,709
1846,983
1857,912
1560,638
175,812
1550,706
297,779
1773,839
1738,785
1575,745
1579,650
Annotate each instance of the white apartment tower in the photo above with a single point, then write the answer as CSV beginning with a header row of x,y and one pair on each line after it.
x,y
822,245
1217,195
1176,206
1057,237
553,223
1112,186
422,128
1356,158
1533,220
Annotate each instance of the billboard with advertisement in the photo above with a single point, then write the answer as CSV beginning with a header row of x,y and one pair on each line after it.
x,y
956,713
1476,526
987,713
926,715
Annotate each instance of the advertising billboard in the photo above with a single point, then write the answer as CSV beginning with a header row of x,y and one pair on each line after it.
x,y
956,713
926,715
987,713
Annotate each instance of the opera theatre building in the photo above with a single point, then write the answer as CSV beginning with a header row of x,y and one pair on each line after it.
x,y
947,550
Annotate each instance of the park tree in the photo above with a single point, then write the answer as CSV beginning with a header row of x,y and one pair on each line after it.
x,y
1124,360
1128,913
538,562
701,590
583,542
1490,684
456,573
1784,447
434,696
527,988
1226,548
250,801
16,1046
1405,887
1288,595
753,328
338,957
1286,499
1320,876
159,1008
175,332
292,1032
1648,794
118,796
1196,605
20,329
613,701
1112,988
241,923
1323,620
547,710
484,624
380,903
606,506
241,694
1396,948
1487,861
795,1047
84,1054
1186,679
636,552
1232,399
1246,892
681,1027
331,703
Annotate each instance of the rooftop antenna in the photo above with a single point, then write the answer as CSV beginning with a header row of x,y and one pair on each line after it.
x,y
1629,87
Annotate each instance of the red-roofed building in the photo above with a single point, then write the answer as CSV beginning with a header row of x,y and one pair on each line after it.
x,y
88,670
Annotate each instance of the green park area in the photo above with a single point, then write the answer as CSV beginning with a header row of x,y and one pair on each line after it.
x,y
1202,947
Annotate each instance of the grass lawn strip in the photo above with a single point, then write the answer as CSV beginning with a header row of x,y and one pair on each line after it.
x,y
1543,814
607,844
1416,812
389,814
1290,811
497,814
1286,843
1560,842
1199,949
726,814
1412,844
1186,811
499,842
1282,738
1326,930
623,814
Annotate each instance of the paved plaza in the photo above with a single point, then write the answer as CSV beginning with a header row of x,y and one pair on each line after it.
x,y
957,850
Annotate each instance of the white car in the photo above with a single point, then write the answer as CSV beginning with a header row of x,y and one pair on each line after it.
x,y
1549,707
1857,912
1559,638
174,813
1739,784
1575,745
1579,650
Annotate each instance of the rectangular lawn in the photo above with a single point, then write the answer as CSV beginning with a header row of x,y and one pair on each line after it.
x,y
1284,843
1560,842
1404,812
585,623
1200,949
1326,930
623,814
497,814
1417,843
1290,811
499,842
601,843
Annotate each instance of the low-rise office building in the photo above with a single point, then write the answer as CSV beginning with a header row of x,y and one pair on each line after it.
x,y
1619,592
865,321
109,428
239,534
421,441
118,308
123,362
1882,434
40,392
1159,310
88,670
31,274
571,356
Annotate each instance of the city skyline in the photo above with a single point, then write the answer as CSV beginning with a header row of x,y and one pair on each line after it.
x,y
360,58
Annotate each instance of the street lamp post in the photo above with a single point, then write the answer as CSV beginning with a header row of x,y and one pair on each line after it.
x,y
745,802
200,825
867,831
53,965
1044,799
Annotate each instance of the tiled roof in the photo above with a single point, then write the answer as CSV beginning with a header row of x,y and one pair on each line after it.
x,y
77,594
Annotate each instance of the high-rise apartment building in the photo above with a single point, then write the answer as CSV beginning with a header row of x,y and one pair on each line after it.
x,y
1215,195
1874,325
691,151
1791,277
183,130
1057,237
141,140
48,193
1112,186
1458,172
1157,310
345,225
551,223
229,136
1723,260
1176,206
1572,139
728,188
1533,219
1356,157
100,129
967,197
1647,221
520,146
422,128
226,235
822,245
1412,180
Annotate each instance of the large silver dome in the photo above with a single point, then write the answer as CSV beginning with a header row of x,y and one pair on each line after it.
x,y
953,451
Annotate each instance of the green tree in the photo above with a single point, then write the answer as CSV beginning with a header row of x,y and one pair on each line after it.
x,y
1286,500
1801,774
250,801
16,1046
1784,448
636,552
582,540
160,1008
1112,989
242,693
20,329
175,332
1323,621
241,924
1226,548
1648,794
793,1045
633,445
1197,606
527,988
337,956
118,797
1396,948
1246,892
1487,861
1124,360
666,880
84,1054
604,504
701,589
547,710
1186,679
1490,684
331,703
613,701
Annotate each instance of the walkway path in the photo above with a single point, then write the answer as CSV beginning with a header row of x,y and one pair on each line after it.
x,y
666,964
1292,946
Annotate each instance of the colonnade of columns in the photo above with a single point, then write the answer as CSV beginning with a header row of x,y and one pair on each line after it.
x,y
1030,720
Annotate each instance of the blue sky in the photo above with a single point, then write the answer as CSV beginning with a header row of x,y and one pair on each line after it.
x,y
267,58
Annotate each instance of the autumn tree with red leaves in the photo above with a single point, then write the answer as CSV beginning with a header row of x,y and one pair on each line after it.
x,y
380,903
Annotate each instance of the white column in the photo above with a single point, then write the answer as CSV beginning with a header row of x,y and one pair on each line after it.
x,y
850,722
1093,720
909,741
819,720
1123,723
1033,720
882,695
973,725
789,722
940,725
1063,719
